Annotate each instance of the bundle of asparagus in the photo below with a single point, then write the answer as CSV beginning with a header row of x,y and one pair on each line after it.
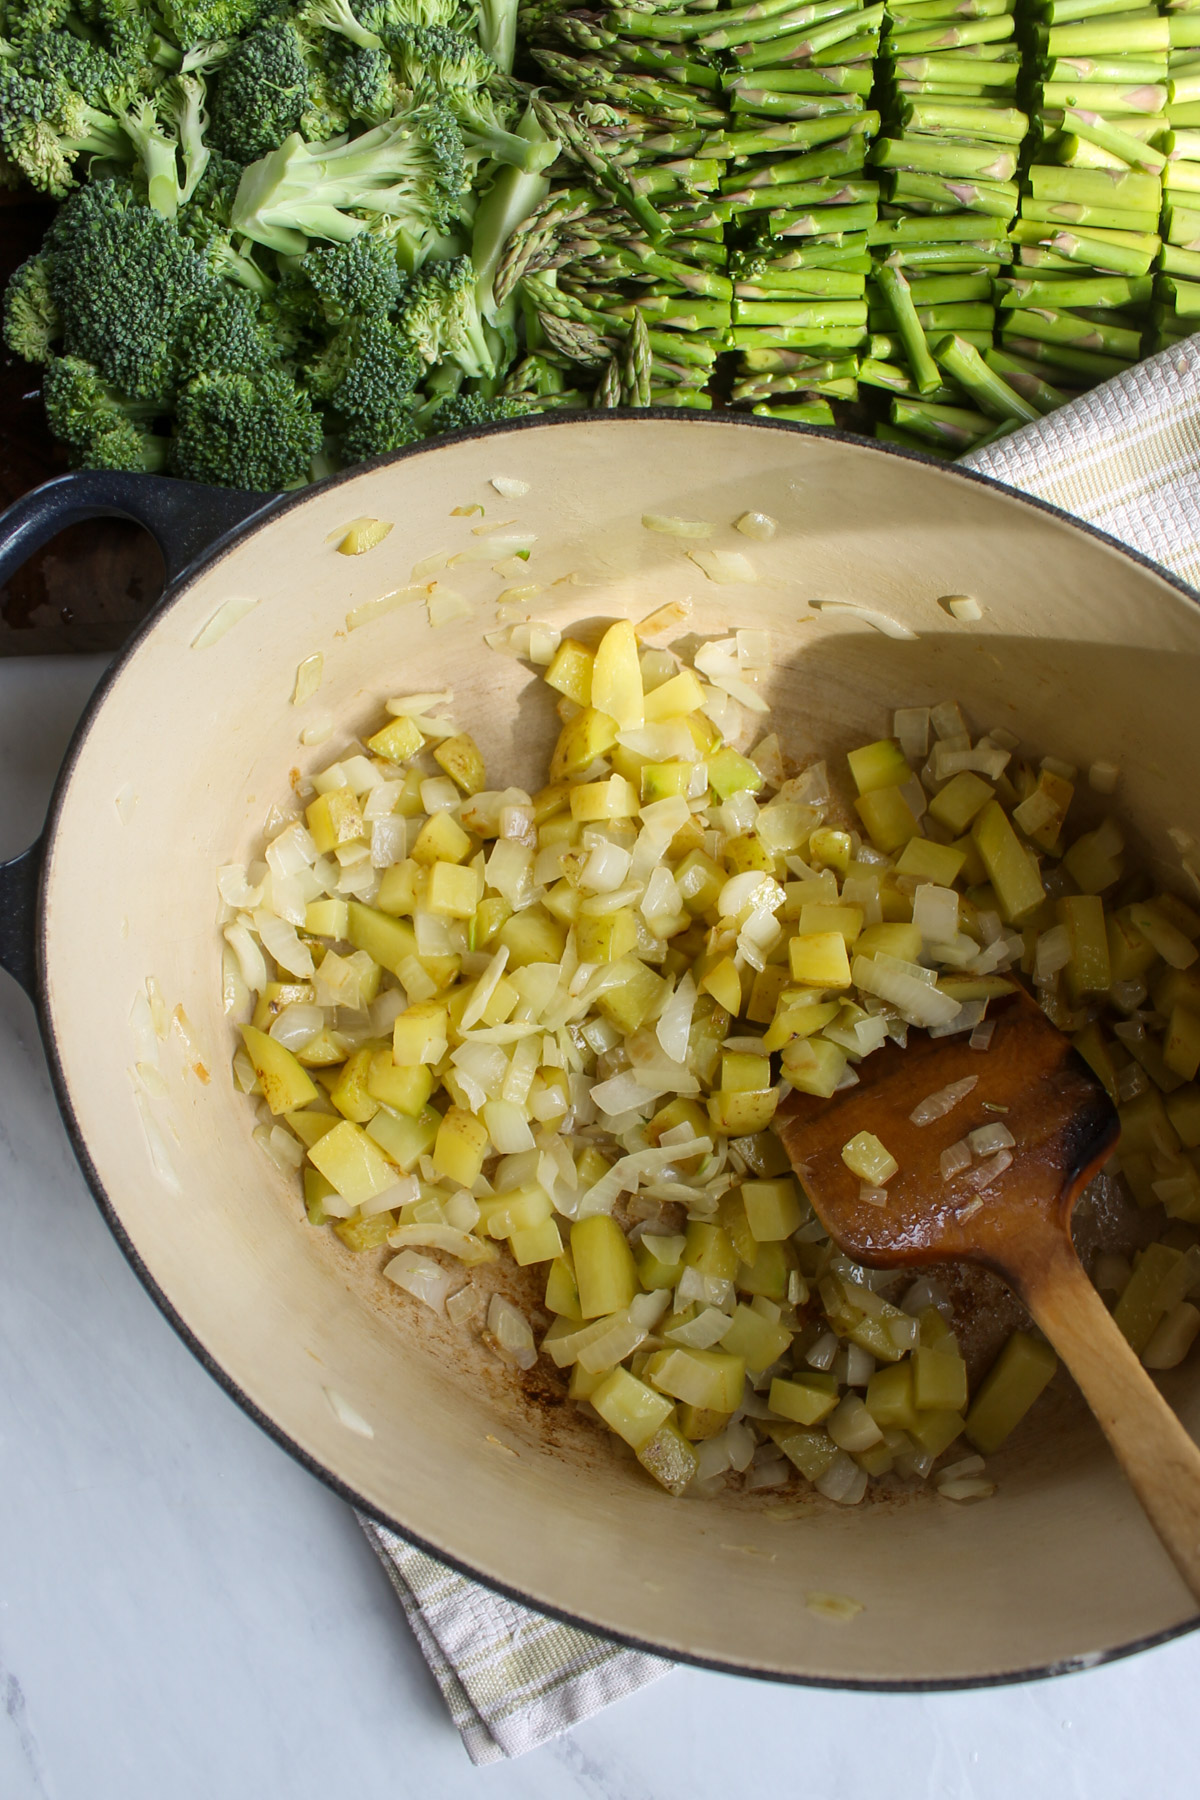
x,y
1075,309
1176,309
797,195
953,132
622,271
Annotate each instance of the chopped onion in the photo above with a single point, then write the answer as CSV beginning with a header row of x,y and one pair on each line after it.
x,y
944,1100
987,1138
962,607
675,527
509,1330
308,678
370,610
444,605
756,525
991,1170
224,619
982,1034
870,615
727,567
422,1277
508,487
954,1160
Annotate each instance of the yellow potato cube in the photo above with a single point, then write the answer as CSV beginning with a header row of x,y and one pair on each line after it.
x,y
889,819
681,694
460,1146
419,1034
669,1458
815,919
889,1397
397,741
724,983
352,1163
1015,1380
570,672
531,936
739,1113
699,881
878,765
963,796
898,940
939,1379
334,818
582,739
773,1209
454,890
441,839
829,849
406,1090
607,938
614,798
1011,868
617,677
402,887
630,1408
867,1158
807,1400
729,773
389,941
604,1266
820,959
537,1244
326,918
709,1379
405,1140
924,860
813,1065
462,760
759,1341
284,1083
349,1093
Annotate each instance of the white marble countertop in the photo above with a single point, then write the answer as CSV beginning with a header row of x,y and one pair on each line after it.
x,y
185,1614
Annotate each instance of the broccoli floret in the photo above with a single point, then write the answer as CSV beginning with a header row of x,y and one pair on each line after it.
x,y
463,411
45,123
354,279
362,82
384,16
33,16
222,331
367,374
339,16
123,279
431,57
104,429
261,93
487,127
135,35
440,317
410,169
325,116
165,132
31,321
192,22
256,432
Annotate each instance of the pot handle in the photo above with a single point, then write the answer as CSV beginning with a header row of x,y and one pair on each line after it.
x,y
182,517
18,910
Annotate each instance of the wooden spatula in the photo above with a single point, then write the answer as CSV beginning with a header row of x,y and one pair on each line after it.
x,y
1065,1127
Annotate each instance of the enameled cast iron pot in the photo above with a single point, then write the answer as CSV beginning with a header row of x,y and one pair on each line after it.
x,y
1084,650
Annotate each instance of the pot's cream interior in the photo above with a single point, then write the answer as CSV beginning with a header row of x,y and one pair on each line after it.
x,y
1080,651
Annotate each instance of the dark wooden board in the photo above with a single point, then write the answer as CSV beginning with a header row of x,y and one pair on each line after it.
x,y
88,588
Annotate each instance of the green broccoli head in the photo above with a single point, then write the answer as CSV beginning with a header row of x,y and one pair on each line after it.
x,y
341,18
192,22
46,122
386,16
350,280
123,279
261,93
367,375
31,320
461,412
440,317
104,429
255,432
34,16
222,331
362,82
429,57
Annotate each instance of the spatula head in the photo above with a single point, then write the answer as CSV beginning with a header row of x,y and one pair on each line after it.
x,y
1029,1078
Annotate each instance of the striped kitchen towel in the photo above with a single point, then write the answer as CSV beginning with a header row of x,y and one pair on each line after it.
x,y
1125,457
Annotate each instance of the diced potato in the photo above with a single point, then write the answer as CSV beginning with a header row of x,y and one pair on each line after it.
x,y
390,942
309,1126
441,839
630,1408
869,1159
629,1004
697,1424
1183,1111
757,1340
830,849
699,881
617,677
1089,970
285,1084
406,1089
1181,1047
1141,1306
799,1017
316,1191
669,1458
748,852
570,672
813,1065
810,1451
349,1093
405,1140
729,774
765,991
711,1379
454,891
532,935
739,1111
769,1273
731,1217
773,1209
582,739
517,1209
326,918
352,1163
562,1290
889,1397
607,938
708,1250
611,798
275,996
1092,863
402,887
653,1271
537,1244
1091,1045
888,818
934,1432
878,765
398,740
939,1380
659,781
419,1035
901,941
1010,867
806,1400
460,1146
681,694
924,860
604,1266
365,1234
956,805
820,959
462,760
334,818
1021,1371
724,983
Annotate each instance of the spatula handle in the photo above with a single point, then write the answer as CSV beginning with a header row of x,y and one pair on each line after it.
x,y
1156,1453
